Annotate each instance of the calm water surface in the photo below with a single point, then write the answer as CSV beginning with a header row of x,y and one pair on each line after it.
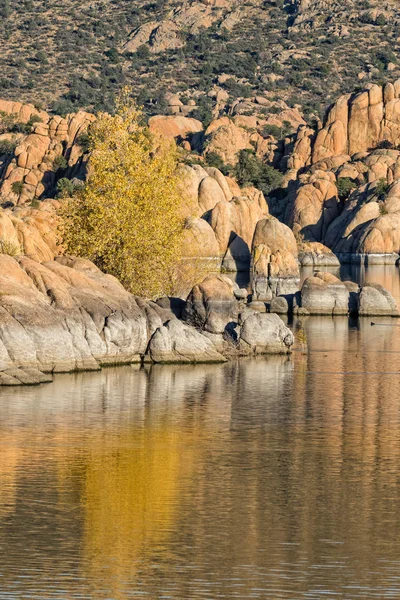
x,y
266,478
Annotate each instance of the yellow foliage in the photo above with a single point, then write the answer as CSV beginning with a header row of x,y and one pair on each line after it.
x,y
127,216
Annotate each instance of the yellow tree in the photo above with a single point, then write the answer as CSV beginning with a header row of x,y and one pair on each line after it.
x,y
127,217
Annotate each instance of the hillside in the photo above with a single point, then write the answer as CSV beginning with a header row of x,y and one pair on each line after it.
x,y
71,55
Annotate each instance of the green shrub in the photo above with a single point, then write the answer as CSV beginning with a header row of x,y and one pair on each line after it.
x,y
273,130
381,189
65,188
17,187
143,52
19,127
83,142
214,160
251,170
382,209
5,9
60,163
344,186
7,147
203,111
381,20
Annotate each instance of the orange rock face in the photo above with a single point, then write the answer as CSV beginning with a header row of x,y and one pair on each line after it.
x,y
174,127
355,123
31,231
33,165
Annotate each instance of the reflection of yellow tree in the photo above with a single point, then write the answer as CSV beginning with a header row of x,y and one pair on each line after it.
x,y
130,499
9,458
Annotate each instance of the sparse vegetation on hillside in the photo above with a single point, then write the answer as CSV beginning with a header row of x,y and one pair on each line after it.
x,y
261,47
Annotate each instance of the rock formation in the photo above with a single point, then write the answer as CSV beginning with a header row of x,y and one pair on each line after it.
x,y
230,217
265,334
33,164
343,191
324,294
375,300
30,231
177,342
211,305
275,267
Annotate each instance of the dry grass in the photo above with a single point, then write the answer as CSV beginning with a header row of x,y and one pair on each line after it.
x,y
11,247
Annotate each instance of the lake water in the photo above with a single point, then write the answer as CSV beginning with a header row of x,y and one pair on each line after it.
x,y
265,478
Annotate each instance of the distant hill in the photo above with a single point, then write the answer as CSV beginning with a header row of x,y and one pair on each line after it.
x,y
74,54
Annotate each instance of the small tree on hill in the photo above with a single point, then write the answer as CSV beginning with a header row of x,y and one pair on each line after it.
x,y
126,218
251,170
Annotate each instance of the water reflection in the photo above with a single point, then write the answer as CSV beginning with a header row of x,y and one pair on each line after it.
x,y
272,478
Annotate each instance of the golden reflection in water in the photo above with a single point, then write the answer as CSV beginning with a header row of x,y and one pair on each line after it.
x,y
130,500
9,457
280,473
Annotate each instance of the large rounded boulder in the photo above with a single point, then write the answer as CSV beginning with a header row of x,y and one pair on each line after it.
x,y
176,342
374,300
263,333
325,294
211,304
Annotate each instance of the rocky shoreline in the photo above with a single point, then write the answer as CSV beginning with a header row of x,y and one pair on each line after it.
x,y
66,315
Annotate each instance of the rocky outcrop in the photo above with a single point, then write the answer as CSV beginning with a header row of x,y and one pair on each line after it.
x,y
275,268
66,315
368,226
375,300
335,201
227,139
312,205
314,254
30,231
163,34
234,224
230,216
356,123
35,162
178,128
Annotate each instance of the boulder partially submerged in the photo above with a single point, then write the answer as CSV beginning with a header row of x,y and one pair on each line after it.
x,y
324,294
374,300
263,333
